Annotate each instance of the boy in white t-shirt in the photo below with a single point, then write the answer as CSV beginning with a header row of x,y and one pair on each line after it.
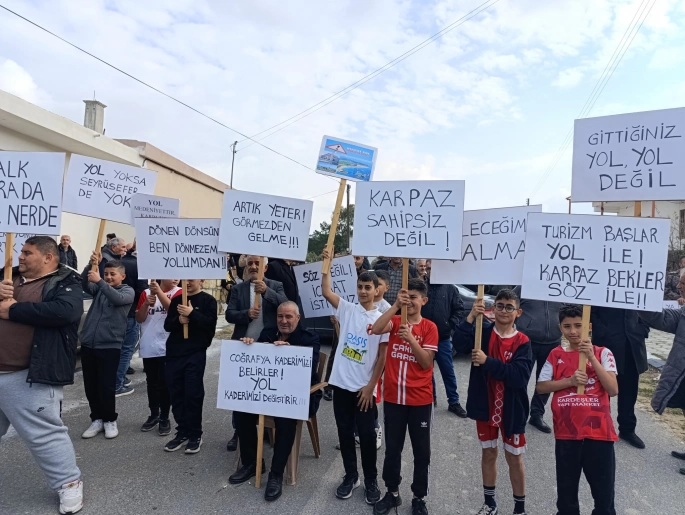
x,y
150,314
383,286
358,365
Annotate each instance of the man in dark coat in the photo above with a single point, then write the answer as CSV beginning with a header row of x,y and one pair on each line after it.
x,y
540,323
67,255
281,271
623,332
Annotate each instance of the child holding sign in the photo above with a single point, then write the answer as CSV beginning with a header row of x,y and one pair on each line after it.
x,y
583,427
185,362
498,396
408,394
359,363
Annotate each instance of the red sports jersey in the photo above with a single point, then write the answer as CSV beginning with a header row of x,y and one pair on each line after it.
x,y
577,417
502,349
405,382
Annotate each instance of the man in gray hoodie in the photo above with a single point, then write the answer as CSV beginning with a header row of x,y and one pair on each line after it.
x,y
101,339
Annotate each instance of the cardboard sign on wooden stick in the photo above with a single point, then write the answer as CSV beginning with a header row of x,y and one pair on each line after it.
x,y
184,300
584,335
405,285
479,321
260,277
330,245
98,243
9,254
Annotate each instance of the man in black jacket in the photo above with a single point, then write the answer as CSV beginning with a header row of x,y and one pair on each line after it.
x,y
281,271
445,309
624,334
289,331
67,255
540,323
40,310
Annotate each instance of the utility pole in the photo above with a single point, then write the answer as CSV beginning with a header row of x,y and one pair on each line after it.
x,y
233,162
348,218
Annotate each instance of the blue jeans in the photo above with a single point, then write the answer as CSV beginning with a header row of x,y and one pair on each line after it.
x,y
444,359
127,349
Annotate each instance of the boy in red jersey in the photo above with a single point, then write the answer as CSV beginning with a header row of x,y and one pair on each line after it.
x,y
583,427
407,394
498,396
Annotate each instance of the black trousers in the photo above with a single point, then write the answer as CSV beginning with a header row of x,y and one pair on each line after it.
x,y
99,381
246,427
628,383
596,459
158,397
347,414
538,402
418,419
185,378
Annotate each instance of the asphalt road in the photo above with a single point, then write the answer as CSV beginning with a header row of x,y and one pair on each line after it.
x,y
132,473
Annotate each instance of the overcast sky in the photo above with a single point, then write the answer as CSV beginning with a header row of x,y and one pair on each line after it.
x,y
491,102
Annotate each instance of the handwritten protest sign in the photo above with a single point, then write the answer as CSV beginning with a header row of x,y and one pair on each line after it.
x,y
152,206
409,218
103,189
671,304
19,240
265,379
346,159
31,192
636,156
493,245
610,261
184,248
343,282
265,225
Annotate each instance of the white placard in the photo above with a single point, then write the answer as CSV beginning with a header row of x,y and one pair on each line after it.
x,y
627,157
610,261
265,225
265,379
152,206
409,219
31,192
493,246
343,282
671,304
182,248
19,240
103,189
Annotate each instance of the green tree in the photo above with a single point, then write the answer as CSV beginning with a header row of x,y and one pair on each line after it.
x,y
319,238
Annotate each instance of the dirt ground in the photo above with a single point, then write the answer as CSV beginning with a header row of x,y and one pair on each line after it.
x,y
673,418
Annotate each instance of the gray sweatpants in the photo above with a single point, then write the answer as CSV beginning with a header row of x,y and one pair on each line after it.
x,y
33,411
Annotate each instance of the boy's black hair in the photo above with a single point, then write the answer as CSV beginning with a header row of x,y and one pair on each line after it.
x,y
570,311
368,277
507,294
116,264
418,285
383,275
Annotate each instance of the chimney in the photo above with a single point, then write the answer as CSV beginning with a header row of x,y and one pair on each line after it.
x,y
94,118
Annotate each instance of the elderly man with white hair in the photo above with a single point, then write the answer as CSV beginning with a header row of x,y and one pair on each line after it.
x,y
288,331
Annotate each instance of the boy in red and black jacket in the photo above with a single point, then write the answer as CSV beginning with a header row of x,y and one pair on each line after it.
x,y
498,396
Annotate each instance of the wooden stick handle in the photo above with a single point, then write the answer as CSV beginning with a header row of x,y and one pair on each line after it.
x,y
479,321
405,285
184,301
98,243
584,335
260,277
326,267
9,255
260,450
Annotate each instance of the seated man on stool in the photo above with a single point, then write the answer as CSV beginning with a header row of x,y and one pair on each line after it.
x,y
288,332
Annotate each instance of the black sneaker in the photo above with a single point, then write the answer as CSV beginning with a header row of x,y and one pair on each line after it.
x,y
348,485
176,443
150,424
418,507
387,503
193,445
164,427
127,382
328,395
457,410
371,491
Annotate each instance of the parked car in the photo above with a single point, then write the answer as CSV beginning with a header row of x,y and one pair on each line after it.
x,y
469,296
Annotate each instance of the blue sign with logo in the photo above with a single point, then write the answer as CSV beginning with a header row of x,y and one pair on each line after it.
x,y
346,159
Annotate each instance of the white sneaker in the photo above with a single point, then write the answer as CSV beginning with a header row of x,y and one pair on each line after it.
x,y
95,429
487,510
111,430
71,497
379,438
